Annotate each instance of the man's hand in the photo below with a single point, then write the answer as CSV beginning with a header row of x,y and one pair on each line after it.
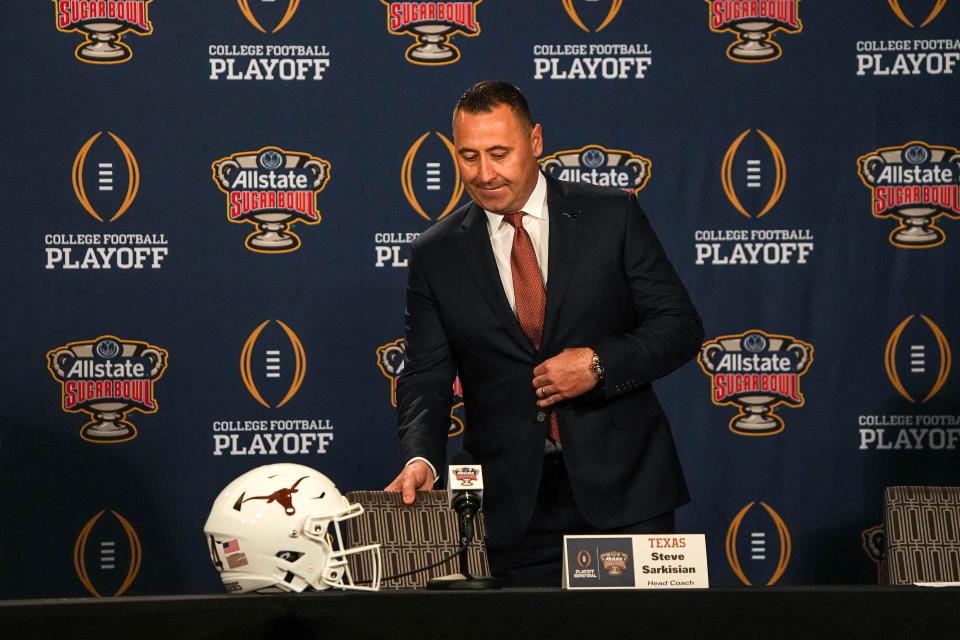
x,y
564,376
414,477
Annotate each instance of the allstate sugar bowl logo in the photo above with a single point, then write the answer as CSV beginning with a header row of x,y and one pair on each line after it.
x,y
432,24
598,165
272,189
754,22
756,371
103,22
914,184
107,378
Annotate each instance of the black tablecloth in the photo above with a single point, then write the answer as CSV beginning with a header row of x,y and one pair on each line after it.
x,y
769,613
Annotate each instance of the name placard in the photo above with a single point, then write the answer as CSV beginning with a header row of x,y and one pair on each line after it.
x,y
655,561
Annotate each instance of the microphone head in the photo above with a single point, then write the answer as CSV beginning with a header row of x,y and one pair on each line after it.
x,y
463,476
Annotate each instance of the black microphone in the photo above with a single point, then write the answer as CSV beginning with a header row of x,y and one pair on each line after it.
x,y
465,496
465,492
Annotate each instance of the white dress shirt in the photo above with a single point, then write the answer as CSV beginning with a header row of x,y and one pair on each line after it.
x,y
537,225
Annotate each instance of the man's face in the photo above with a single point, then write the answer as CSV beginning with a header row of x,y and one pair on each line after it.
x,y
497,157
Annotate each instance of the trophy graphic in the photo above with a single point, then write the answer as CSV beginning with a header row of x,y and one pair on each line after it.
x,y
280,188
433,47
757,372
754,44
107,378
885,168
103,43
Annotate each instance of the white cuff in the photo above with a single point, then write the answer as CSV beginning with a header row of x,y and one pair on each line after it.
x,y
434,471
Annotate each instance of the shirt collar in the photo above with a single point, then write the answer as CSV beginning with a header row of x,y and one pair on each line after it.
x,y
536,205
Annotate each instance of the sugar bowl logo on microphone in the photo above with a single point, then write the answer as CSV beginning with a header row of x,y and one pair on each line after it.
x,y
432,24
914,184
595,164
756,371
103,22
107,378
754,22
272,189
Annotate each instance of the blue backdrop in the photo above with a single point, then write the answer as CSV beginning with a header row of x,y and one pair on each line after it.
x,y
211,215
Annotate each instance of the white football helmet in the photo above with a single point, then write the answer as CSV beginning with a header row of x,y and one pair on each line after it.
x,y
269,530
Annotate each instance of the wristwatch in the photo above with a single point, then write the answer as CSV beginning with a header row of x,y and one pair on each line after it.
x,y
597,366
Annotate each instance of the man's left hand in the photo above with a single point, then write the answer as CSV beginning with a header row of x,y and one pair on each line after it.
x,y
564,376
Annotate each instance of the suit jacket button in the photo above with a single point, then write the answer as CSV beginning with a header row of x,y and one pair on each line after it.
x,y
541,416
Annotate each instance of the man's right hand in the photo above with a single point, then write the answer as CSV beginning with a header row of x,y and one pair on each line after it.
x,y
414,477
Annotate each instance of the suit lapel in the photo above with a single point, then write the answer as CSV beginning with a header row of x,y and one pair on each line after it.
x,y
565,233
477,254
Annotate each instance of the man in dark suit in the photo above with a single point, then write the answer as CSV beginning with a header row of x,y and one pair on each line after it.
x,y
557,306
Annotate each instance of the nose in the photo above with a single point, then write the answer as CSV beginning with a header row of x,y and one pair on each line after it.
x,y
486,172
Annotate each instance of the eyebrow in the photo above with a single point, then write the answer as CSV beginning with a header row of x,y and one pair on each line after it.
x,y
498,147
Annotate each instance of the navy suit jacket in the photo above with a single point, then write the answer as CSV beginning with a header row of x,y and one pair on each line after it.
x,y
609,287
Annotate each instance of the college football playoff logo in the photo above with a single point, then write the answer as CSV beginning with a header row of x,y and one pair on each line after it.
x,y
272,189
106,171
754,23
756,371
102,564
595,164
934,12
753,175
923,378
391,359
915,183
107,378
568,6
433,178
270,364
103,22
764,531
252,19
432,24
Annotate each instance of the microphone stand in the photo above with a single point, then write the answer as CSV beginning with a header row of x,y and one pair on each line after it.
x,y
466,507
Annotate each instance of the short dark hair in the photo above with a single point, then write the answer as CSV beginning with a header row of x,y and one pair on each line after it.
x,y
484,96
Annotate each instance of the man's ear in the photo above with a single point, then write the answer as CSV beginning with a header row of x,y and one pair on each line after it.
x,y
536,139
